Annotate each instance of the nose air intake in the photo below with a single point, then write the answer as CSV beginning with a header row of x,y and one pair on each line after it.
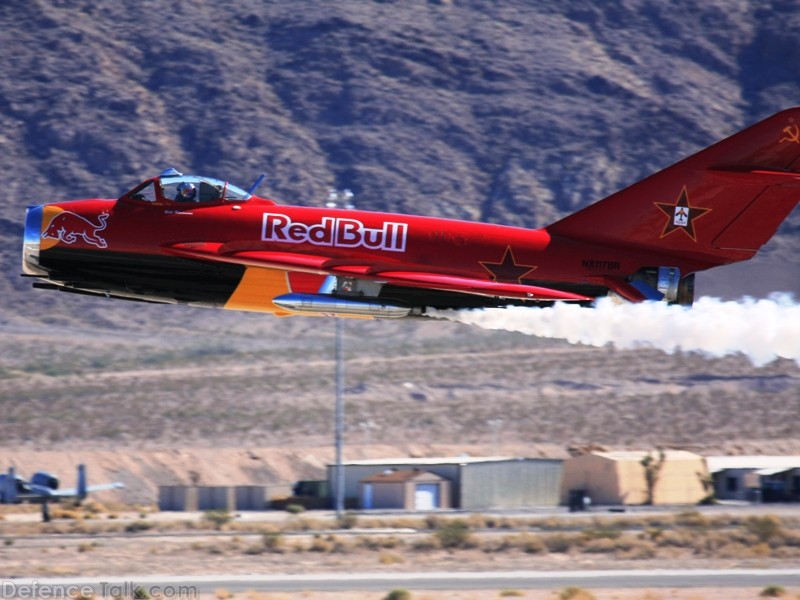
x,y
33,237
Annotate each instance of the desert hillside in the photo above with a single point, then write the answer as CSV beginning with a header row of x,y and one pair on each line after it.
x,y
148,407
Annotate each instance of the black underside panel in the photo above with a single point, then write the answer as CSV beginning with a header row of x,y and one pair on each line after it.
x,y
168,279
443,300
143,276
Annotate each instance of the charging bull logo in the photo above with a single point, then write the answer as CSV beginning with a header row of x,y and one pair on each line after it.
x,y
67,227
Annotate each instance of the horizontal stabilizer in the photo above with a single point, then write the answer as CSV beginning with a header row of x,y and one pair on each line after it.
x,y
74,492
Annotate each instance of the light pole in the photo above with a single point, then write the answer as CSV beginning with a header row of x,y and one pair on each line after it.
x,y
334,199
339,417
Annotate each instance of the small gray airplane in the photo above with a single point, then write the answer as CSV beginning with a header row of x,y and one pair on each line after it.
x,y
43,489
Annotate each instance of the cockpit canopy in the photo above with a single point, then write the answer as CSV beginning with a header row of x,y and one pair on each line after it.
x,y
171,186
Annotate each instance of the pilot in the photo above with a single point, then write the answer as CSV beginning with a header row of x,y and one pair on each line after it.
x,y
187,192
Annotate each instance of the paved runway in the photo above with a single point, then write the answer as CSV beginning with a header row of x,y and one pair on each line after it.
x,y
170,585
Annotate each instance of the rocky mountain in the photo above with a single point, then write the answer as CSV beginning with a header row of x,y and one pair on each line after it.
x,y
512,112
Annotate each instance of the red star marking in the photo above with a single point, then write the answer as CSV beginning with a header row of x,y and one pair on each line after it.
x,y
681,215
508,270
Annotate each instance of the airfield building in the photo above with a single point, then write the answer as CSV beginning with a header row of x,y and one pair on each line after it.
x,y
410,489
212,497
471,483
614,478
756,478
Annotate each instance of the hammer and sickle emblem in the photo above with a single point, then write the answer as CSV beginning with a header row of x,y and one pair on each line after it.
x,y
792,134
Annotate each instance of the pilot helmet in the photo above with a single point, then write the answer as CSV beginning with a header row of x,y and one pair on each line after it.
x,y
187,190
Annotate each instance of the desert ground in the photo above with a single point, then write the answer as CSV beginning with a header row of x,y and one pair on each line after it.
x,y
96,541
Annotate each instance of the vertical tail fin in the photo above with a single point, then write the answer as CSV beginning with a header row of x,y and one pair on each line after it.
x,y
716,207
81,488
10,488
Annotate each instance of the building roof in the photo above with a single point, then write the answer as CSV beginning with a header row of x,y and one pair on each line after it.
x,y
638,455
397,476
776,464
773,471
451,460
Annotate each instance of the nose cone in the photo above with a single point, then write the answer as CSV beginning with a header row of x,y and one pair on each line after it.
x,y
31,243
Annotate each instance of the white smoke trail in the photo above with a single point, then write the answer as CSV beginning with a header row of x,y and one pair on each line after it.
x,y
762,330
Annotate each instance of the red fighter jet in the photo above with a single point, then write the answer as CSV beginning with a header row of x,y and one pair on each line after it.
x,y
201,241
